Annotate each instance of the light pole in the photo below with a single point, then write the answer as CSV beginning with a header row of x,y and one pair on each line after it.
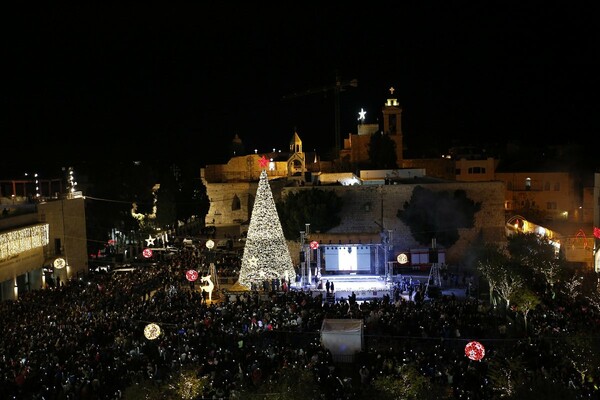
x,y
307,253
390,247
302,259
304,256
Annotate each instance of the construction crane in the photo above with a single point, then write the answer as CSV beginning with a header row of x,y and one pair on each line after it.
x,y
337,88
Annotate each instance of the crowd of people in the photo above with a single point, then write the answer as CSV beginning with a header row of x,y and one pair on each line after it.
x,y
85,339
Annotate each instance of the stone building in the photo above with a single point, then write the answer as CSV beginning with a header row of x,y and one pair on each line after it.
x,y
559,195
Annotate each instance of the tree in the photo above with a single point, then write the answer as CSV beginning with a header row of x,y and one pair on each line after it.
x,y
266,255
409,384
524,300
287,384
508,284
490,264
382,152
317,207
581,350
438,215
505,375
538,256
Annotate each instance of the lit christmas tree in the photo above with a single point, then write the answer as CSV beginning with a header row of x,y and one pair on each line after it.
x,y
266,255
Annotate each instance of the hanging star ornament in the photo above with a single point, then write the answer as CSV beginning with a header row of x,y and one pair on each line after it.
x,y
150,240
361,115
263,162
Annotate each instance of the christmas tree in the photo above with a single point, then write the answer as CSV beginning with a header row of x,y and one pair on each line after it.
x,y
266,254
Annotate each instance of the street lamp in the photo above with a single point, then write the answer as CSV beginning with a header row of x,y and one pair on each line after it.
x,y
302,258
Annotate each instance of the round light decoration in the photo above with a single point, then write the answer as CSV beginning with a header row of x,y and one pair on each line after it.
x,y
210,244
475,351
314,245
152,331
147,253
402,258
59,263
191,275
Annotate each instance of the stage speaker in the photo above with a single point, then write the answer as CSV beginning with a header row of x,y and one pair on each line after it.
x,y
433,255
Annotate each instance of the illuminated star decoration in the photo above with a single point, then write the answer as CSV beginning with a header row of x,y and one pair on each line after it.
x,y
361,115
253,262
150,240
263,162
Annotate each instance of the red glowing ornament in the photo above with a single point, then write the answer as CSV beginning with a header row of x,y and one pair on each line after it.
x,y
263,162
597,233
147,253
475,351
314,245
191,275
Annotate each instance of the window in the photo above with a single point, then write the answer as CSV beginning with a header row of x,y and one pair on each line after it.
x,y
557,186
547,186
235,203
457,171
551,205
477,170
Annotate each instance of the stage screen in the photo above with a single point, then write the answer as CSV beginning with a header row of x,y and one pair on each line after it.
x,y
347,258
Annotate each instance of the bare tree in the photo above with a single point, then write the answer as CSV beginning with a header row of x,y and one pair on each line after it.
x,y
491,265
508,284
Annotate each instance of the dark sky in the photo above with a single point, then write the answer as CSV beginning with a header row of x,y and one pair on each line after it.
x,y
132,80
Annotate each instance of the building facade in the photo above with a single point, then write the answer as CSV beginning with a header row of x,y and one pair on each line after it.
x,y
44,246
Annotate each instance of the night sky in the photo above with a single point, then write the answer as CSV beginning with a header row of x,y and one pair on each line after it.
x,y
135,81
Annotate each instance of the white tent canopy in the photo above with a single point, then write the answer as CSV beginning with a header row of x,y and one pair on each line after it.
x,y
342,337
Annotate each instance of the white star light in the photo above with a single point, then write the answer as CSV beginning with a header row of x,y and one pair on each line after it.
x,y
150,240
361,115
253,262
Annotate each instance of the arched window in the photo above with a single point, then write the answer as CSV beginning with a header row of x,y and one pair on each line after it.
x,y
235,203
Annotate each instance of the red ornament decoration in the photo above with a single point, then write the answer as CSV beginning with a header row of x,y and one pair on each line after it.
x,y
314,245
597,233
475,351
147,253
191,275
263,162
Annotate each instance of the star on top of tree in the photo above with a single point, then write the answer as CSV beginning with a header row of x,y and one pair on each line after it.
x,y
150,240
263,162
361,114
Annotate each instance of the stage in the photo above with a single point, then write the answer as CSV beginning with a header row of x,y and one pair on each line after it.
x,y
365,287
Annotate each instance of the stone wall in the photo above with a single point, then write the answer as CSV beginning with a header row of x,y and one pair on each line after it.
x,y
368,208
